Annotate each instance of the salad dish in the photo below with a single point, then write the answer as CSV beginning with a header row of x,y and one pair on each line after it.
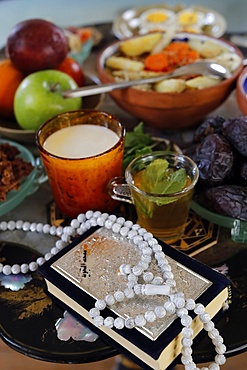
x,y
152,54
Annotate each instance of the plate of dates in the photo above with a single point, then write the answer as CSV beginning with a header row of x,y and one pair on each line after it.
x,y
219,149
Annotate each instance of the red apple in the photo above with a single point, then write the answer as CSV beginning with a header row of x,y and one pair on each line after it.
x,y
36,44
73,69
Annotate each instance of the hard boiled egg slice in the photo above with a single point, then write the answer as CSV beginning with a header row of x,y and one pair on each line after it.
x,y
190,20
156,19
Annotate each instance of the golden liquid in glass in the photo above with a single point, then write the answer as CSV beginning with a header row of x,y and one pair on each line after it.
x,y
165,221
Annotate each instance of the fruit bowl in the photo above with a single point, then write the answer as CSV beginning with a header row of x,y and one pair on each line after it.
x,y
11,130
166,110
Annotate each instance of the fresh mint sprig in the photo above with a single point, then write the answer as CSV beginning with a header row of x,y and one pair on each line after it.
x,y
157,178
136,143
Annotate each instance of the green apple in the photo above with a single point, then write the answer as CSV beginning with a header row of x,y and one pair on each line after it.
x,y
39,98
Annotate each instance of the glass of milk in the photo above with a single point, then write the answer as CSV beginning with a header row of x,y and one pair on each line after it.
x,y
82,151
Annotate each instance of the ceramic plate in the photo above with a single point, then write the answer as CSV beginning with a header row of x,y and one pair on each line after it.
x,y
11,130
15,197
128,23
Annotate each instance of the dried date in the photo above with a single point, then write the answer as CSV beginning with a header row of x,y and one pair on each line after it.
x,y
235,130
214,158
212,125
227,200
243,172
219,149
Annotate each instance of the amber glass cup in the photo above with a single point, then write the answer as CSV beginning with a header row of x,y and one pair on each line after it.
x,y
80,184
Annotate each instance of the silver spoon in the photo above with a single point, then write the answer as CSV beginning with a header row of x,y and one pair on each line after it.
x,y
202,68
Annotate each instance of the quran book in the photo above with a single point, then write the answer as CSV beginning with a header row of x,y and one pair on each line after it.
x,y
88,269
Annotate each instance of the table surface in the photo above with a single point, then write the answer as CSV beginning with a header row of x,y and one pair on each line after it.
x,y
28,308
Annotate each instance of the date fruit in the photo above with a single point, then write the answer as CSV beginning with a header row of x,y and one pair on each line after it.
x,y
228,200
243,172
214,159
219,149
235,130
212,125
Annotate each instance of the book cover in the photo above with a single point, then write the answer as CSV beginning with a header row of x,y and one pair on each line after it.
x,y
88,269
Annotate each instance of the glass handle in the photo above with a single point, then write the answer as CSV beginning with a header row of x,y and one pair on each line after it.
x,y
40,176
119,190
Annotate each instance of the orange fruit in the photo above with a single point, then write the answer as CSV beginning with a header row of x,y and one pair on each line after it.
x,y
10,78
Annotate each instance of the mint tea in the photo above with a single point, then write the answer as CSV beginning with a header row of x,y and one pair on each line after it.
x,y
161,187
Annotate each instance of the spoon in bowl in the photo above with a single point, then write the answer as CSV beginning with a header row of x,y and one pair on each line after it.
x,y
201,68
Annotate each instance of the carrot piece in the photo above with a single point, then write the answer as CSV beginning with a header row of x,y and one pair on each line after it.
x,y
84,34
174,55
177,46
173,60
157,62
187,56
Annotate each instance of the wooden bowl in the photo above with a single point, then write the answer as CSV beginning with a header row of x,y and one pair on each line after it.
x,y
241,91
169,110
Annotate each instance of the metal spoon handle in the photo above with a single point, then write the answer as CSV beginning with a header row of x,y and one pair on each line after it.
x,y
105,88
195,68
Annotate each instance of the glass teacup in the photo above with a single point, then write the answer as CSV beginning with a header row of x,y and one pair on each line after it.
x,y
165,212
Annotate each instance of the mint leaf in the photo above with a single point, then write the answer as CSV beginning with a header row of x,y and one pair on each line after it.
x,y
133,153
136,143
137,137
173,184
153,175
157,178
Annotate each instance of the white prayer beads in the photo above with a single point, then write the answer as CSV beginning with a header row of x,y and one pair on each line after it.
x,y
174,301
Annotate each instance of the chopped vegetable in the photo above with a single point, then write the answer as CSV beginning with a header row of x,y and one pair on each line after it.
x,y
157,53
139,45
177,46
157,62
174,55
